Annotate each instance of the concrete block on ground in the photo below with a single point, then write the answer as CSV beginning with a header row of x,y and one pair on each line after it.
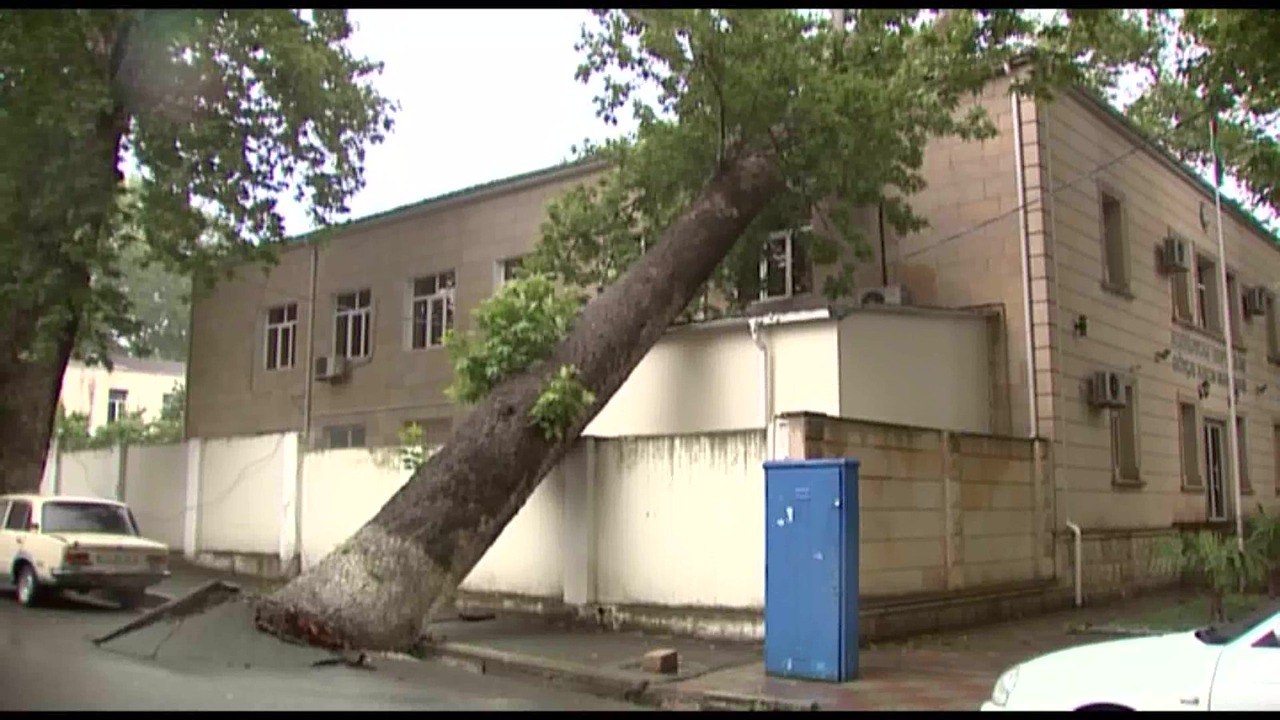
x,y
664,661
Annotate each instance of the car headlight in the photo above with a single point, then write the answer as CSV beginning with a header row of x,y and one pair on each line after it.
x,y
1004,686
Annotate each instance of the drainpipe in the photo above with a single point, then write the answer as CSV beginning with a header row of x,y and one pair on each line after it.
x,y
309,369
1075,530
757,337
1025,256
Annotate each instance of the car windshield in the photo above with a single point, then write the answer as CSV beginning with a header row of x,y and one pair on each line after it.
x,y
1223,633
87,517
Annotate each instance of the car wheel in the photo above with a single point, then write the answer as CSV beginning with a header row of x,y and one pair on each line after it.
x,y
130,599
28,586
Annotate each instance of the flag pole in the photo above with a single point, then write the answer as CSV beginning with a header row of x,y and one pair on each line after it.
x,y
1233,431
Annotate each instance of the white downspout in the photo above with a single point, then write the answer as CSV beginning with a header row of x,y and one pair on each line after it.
x,y
766,397
1075,530
1025,256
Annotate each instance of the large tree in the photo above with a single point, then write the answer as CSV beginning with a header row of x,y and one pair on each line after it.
x,y
221,115
1221,63
748,120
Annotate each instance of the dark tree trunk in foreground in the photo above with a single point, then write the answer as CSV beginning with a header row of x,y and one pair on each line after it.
x,y
374,590
28,403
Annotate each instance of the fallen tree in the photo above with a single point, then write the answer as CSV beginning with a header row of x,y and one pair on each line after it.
x,y
760,117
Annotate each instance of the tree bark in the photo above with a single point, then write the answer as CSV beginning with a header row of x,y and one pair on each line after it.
x,y
374,590
28,403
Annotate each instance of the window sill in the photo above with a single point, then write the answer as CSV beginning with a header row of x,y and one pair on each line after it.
x,y
1201,331
1120,290
1193,489
1127,484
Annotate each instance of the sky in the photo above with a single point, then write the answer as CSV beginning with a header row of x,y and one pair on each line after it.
x,y
483,94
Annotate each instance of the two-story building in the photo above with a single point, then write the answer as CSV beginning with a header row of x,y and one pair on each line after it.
x,y
1066,289
131,385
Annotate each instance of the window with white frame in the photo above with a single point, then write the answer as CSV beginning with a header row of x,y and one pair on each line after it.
x,y
507,270
785,269
1115,248
116,399
282,336
1189,445
1206,295
1234,310
351,324
1124,438
432,309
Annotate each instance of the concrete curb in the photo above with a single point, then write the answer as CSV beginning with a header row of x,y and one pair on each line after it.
x,y
603,682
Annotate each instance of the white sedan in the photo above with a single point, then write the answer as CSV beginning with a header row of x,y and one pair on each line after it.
x,y
1232,666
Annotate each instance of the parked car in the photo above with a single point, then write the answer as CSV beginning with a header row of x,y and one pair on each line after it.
x,y
1229,666
68,543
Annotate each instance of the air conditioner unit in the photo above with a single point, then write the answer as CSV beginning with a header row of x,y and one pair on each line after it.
x,y
886,295
1106,389
1255,301
1176,256
331,369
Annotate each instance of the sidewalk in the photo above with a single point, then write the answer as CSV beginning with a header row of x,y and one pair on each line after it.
x,y
948,671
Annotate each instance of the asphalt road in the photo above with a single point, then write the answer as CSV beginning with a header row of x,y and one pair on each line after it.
x,y
217,661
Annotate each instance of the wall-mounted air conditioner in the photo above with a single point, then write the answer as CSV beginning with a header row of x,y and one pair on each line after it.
x,y
331,369
1106,389
1176,255
885,295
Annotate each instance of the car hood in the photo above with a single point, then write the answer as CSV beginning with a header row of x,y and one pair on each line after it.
x,y
1119,667
104,540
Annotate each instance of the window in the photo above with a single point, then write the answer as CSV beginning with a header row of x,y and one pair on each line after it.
x,y
1115,269
88,517
344,436
1242,456
1124,438
1206,295
1273,327
1234,310
115,404
432,309
1275,451
785,269
351,324
507,270
19,516
1189,440
282,333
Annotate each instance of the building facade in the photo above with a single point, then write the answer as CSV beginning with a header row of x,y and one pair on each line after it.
x,y
1047,262
132,384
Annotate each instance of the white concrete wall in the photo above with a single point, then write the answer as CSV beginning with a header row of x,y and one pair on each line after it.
x,y
527,558
241,502
702,379
693,380
155,488
90,473
914,368
681,520
341,490
805,367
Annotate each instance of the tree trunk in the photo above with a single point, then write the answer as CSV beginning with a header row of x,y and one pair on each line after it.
x,y
28,403
374,590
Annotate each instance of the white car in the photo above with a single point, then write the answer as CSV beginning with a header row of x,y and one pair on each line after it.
x,y
68,543
1232,666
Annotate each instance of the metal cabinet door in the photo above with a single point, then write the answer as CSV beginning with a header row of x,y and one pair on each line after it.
x,y
803,622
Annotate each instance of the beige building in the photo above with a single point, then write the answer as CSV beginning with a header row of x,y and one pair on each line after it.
x,y
131,385
1046,299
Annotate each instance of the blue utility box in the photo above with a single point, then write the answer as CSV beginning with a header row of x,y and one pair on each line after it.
x,y
811,569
